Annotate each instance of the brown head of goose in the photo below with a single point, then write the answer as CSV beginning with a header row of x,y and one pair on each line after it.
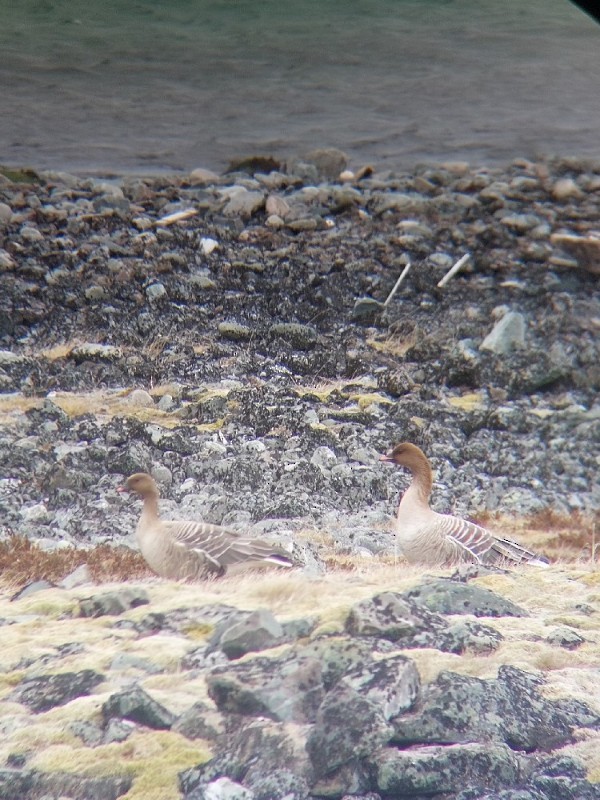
x,y
184,550
426,537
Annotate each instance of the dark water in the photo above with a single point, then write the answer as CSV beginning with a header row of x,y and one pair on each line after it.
x,y
142,85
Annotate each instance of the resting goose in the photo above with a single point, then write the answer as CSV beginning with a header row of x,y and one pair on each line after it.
x,y
194,550
426,537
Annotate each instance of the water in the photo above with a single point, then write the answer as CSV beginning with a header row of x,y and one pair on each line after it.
x,y
150,86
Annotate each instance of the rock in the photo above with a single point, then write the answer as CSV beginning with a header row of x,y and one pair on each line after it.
x,y
234,331
444,770
521,223
280,784
155,292
511,709
278,206
113,603
7,262
566,189
506,335
565,637
243,203
259,631
329,161
136,705
281,749
395,618
353,719
5,214
285,688
79,577
208,246
584,249
201,721
47,691
301,337
449,597
203,176
95,352
32,588
7,357
140,398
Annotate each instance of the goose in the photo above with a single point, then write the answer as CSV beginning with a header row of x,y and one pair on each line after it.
x,y
192,551
426,537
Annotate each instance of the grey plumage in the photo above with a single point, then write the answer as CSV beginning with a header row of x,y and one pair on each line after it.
x,y
194,550
426,537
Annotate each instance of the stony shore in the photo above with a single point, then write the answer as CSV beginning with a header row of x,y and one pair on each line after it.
x,y
206,329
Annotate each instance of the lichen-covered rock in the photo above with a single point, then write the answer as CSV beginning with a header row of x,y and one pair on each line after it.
x,y
258,631
47,691
443,770
511,709
201,721
281,749
136,705
113,603
450,597
354,718
402,619
289,687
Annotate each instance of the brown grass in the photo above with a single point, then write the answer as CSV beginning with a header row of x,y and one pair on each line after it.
x,y
22,561
563,538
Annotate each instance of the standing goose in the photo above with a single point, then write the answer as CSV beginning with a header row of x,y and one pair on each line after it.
x,y
194,550
426,537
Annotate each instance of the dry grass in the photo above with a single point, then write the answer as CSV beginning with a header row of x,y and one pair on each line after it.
x,y
564,539
22,561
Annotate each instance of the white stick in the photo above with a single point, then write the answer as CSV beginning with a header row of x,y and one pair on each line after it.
x,y
403,274
452,272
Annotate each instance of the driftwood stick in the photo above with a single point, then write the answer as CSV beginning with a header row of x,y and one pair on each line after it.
x,y
453,270
403,275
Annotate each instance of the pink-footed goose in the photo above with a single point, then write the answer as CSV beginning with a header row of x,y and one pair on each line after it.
x,y
194,550
426,537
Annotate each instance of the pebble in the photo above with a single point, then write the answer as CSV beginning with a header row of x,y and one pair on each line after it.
x,y
506,335
566,189
6,260
155,292
6,213
208,245
235,331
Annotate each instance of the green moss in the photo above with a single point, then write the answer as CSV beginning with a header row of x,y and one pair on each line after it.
x,y
152,758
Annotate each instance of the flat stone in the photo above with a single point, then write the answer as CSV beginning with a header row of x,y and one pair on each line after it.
x,y
113,603
450,597
48,691
259,631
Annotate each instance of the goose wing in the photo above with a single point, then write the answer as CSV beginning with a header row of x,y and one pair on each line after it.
x,y
224,547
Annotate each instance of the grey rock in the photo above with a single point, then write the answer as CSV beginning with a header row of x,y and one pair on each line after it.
x,y
450,597
113,603
444,770
281,748
329,161
79,577
201,721
95,352
353,720
32,588
258,631
8,357
565,637
235,331
155,292
510,709
243,203
140,398
520,223
507,334
302,337
286,688
136,705
47,691
280,784
398,619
